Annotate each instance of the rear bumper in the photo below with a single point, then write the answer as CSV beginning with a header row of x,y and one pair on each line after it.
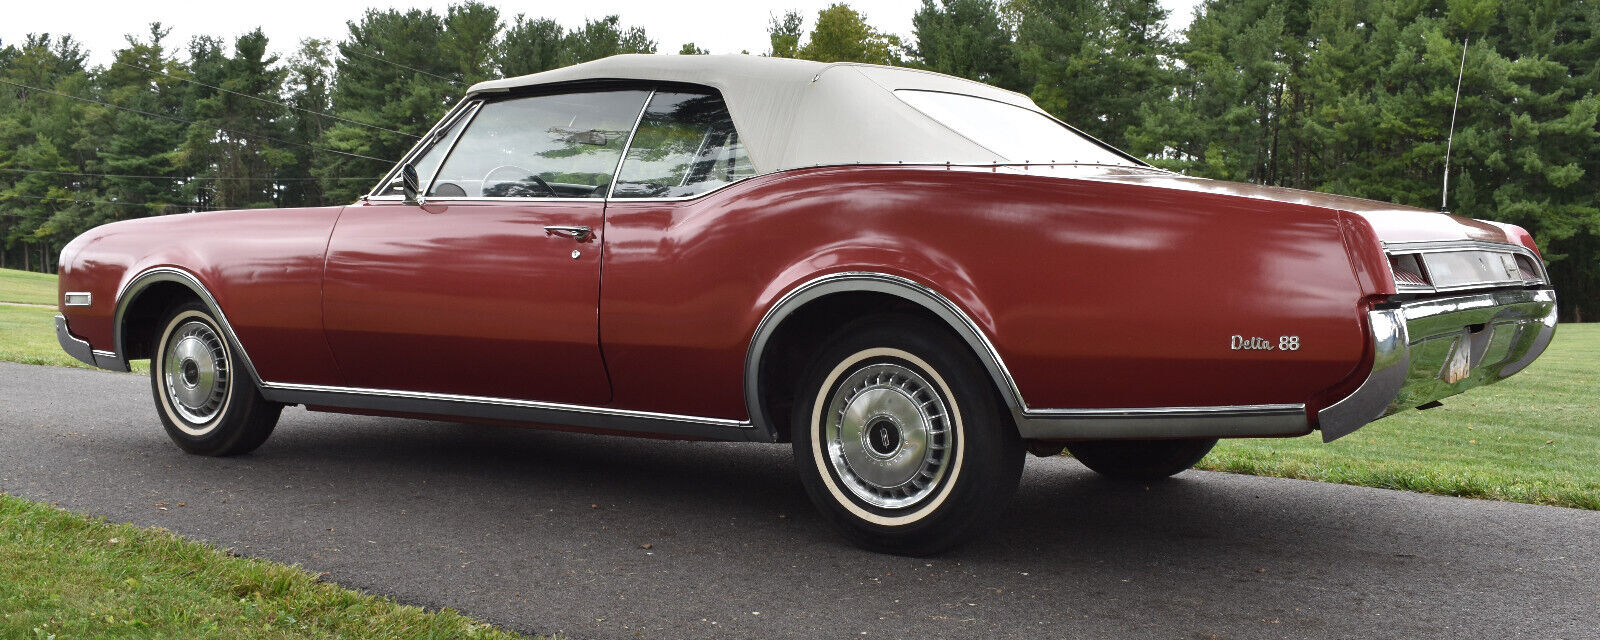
x,y
1432,349
80,349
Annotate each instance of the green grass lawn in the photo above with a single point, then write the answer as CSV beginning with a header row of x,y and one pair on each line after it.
x,y
1534,437
64,575
27,287
28,335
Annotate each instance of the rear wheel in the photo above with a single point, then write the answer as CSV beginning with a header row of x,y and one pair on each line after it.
x,y
900,439
207,403
1140,459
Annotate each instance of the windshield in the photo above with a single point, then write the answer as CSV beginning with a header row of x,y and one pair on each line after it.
x,y
1012,132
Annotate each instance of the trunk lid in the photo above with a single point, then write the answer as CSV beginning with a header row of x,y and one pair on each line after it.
x,y
1394,224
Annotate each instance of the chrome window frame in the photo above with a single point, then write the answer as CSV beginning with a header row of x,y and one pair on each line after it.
x,y
466,121
474,103
455,113
1137,163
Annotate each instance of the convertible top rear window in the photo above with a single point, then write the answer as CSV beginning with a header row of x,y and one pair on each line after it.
x,y
1012,132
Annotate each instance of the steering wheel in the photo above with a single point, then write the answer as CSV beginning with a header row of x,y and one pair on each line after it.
x,y
523,175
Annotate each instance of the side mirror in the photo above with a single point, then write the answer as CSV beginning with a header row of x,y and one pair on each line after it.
x,y
410,183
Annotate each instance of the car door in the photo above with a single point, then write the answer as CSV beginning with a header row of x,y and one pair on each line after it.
x,y
489,287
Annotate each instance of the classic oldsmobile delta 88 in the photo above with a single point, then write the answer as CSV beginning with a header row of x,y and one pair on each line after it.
x,y
912,278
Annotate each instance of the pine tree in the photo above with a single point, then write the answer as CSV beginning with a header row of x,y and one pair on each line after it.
x,y
307,88
45,145
842,34
143,76
388,73
604,38
530,46
237,142
966,38
471,34
784,32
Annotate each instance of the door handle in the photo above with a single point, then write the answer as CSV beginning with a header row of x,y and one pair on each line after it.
x,y
581,234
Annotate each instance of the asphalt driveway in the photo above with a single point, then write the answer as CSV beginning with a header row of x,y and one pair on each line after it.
x,y
601,537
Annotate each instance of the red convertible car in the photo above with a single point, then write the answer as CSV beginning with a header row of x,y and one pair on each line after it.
x,y
913,278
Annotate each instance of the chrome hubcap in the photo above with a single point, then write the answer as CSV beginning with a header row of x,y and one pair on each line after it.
x,y
888,435
196,371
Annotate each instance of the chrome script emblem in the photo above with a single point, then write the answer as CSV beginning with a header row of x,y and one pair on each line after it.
x,y
1243,343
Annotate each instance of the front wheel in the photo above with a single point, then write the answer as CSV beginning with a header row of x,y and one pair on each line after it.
x,y
1140,459
900,439
206,401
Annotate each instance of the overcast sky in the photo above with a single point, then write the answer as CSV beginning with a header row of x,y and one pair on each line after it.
x,y
726,26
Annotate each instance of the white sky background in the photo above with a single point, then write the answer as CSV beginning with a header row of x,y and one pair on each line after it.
x,y
727,26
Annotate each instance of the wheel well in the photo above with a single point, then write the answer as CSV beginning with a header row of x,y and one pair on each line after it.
x,y
142,318
789,350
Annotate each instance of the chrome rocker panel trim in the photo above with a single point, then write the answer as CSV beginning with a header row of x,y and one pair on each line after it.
x,y
444,405
1487,337
511,410
1239,421
1050,424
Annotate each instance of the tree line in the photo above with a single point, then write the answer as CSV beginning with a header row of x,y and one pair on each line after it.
x,y
1346,96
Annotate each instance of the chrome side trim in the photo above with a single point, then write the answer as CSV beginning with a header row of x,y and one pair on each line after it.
x,y
512,410
77,299
139,283
1241,421
1432,349
858,281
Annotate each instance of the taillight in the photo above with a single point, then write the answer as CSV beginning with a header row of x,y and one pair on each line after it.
x,y
1408,270
1529,271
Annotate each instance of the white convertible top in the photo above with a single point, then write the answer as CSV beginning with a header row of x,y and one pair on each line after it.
x,y
798,113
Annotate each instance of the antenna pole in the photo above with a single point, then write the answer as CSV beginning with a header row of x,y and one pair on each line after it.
x,y
1444,193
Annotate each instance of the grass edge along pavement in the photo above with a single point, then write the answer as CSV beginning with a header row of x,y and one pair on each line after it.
x,y
67,575
1532,438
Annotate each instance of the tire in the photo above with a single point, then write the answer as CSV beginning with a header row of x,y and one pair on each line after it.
x,y
900,438
207,403
1140,459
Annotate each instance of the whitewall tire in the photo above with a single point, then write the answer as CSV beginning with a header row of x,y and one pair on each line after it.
x,y
204,397
900,438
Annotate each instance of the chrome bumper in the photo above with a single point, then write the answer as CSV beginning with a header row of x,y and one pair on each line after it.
x,y
1432,349
81,350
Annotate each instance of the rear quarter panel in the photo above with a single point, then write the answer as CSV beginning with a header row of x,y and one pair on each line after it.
x,y
1096,294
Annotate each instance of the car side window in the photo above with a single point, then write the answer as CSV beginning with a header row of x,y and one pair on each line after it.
x,y
686,145
554,146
